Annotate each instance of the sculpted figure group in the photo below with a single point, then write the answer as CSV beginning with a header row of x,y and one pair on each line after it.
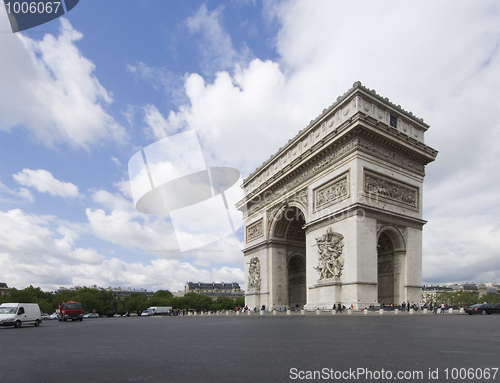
x,y
330,263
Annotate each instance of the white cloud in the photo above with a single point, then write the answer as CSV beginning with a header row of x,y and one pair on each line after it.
x,y
442,63
115,160
216,48
22,193
154,234
42,251
157,126
49,90
43,181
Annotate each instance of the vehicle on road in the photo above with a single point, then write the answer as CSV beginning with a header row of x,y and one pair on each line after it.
x,y
483,308
18,314
91,315
70,310
45,316
53,316
156,310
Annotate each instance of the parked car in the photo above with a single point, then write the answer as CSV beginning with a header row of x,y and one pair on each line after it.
x,y
91,315
45,316
53,316
117,316
483,308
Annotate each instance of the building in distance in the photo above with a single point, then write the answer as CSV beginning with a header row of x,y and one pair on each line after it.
x,y
4,289
214,290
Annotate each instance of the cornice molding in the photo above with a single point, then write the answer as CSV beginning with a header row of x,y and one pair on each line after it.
x,y
356,100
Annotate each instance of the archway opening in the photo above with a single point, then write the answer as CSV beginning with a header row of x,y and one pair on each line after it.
x,y
293,222
289,229
385,269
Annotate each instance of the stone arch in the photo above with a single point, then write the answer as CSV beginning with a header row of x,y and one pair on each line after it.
x,y
391,254
283,218
296,272
395,235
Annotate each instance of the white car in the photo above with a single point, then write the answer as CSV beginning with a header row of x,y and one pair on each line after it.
x,y
91,315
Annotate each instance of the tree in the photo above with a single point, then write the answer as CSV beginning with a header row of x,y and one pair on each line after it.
x,y
161,298
195,301
224,303
135,302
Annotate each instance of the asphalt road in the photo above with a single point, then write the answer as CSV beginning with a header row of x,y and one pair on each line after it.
x,y
254,349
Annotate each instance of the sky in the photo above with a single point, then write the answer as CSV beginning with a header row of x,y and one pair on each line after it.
x,y
80,95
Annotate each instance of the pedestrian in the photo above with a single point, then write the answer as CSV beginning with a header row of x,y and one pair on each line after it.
x,y
442,308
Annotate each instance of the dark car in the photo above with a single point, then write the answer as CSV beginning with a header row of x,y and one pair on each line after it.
x,y
483,308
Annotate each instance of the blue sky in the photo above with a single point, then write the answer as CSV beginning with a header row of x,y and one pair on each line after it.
x,y
81,94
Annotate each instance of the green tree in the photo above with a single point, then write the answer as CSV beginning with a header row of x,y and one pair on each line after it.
x,y
31,295
457,299
224,303
161,298
195,301
240,301
135,302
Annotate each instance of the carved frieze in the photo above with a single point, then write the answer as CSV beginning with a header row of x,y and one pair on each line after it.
x,y
332,192
396,192
390,155
301,197
270,196
330,260
254,274
356,143
255,230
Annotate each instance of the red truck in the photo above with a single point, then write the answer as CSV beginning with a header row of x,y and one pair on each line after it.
x,y
69,310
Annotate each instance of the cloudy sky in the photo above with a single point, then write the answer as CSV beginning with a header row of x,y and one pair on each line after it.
x,y
80,95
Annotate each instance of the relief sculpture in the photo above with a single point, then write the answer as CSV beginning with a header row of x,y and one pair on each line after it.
x,y
254,274
255,230
391,190
330,260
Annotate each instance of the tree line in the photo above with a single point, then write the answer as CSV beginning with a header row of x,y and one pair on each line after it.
x,y
105,302
461,299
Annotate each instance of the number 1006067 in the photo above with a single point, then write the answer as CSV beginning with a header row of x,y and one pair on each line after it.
x,y
32,7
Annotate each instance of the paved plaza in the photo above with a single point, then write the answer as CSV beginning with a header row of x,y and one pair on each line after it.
x,y
252,348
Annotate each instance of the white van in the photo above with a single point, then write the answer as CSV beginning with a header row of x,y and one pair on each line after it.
x,y
17,314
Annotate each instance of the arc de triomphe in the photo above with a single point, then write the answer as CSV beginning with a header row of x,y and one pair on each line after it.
x,y
335,216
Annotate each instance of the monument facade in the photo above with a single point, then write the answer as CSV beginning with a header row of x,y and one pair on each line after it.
x,y
335,216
